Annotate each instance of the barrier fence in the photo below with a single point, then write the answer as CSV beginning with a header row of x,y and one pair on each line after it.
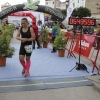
x,y
87,50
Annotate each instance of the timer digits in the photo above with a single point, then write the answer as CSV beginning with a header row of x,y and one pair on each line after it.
x,y
82,21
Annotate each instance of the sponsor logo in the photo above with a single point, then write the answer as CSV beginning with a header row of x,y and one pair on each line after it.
x,y
84,43
52,12
8,10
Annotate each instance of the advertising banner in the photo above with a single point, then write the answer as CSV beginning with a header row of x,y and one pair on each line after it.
x,y
86,45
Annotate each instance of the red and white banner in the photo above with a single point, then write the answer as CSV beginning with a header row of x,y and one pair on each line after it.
x,y
24,14
86,45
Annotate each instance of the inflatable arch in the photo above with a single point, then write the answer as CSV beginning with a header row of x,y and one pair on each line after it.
x,y
40,8
24,14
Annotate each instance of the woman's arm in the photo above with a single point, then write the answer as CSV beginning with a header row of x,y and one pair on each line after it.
x,y
18,35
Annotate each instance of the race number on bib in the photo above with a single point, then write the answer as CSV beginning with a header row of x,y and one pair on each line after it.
x,y
28,48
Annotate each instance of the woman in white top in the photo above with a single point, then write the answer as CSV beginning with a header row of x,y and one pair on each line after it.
x,y
40,28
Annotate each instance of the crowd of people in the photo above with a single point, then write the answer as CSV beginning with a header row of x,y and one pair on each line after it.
x,y
51,24
84,29
91,30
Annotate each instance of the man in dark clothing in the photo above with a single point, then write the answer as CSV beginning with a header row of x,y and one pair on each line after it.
x,y
98,37
35,28
54,34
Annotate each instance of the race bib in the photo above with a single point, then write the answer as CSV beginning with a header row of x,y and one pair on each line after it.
x,y
28,48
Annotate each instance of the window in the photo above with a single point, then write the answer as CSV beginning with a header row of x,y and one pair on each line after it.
x,y
78,1
74,5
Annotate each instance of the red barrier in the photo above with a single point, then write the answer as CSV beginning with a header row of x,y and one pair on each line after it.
x,y
87,43
74,44
70,53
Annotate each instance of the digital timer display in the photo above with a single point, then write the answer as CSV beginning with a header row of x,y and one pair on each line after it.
x,y
82,21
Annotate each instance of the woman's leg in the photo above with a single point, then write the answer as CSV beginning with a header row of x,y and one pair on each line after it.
x,y
21,59
40,40
38,44
54,50
28,63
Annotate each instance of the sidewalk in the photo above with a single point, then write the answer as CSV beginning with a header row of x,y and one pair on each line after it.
x,y
95,80
74,93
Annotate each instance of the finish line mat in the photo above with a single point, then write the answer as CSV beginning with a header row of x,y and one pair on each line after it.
x,y
31,85
44,65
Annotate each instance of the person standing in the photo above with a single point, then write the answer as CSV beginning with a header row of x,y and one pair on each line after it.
x,y
35,28
27,36
98,37
40,29
54,34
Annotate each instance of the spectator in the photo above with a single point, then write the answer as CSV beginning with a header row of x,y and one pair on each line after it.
x,y
40,28
54,34
35,28
74,29
91,30
98,39
85,30
5,23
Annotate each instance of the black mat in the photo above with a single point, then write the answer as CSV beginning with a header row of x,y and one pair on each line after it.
x,y
66,82
25,85
31,85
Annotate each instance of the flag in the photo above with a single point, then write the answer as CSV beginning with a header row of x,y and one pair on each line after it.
x,y
69,10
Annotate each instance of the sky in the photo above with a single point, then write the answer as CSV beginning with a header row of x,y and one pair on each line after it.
x,y
14,2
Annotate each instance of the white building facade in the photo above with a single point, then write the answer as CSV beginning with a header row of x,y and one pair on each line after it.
x,y
77,3
55,4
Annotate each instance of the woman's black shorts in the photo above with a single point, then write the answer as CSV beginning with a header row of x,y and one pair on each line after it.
x,y
22,51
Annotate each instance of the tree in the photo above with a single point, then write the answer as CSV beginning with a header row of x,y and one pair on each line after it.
x,y
64,11
81,12
53,18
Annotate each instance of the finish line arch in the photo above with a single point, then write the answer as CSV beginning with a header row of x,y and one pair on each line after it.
x,y
24,14
41,8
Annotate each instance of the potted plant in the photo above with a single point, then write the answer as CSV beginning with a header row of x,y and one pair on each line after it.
x,y
60,43
45,38
9,29
5,49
